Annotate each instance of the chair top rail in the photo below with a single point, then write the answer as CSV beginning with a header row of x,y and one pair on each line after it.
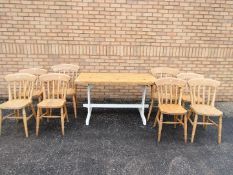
x,y
189,75
20,77
34,71
54,76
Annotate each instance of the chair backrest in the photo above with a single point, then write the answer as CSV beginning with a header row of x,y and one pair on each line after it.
x,y
68,69
162,72
170,90
20,85
54,85
203,91
37,72
188,76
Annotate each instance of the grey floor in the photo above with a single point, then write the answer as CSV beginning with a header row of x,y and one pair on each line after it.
x,y
116,142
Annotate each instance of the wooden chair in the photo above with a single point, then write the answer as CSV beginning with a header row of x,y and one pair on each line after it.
x,y
37,91
169,99
20,89
54,97
186,97
204,89
72,71
160,72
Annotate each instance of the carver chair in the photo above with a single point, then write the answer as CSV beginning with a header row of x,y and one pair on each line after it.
x,y
20,90
37,91
159,72
186,97
169,103
54,97
203,94
72,71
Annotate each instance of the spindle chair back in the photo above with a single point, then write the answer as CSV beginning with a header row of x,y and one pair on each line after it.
x,y
186,92
20,86
203,91
69,69
54,85
37,92
163,72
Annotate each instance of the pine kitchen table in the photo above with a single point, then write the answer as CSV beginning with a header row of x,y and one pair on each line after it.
x,y
133,79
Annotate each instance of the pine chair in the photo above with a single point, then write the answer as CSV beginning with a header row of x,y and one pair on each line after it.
x,y
203,93
37,91
186,98
169,99
20,89
54,97
72,71
160,72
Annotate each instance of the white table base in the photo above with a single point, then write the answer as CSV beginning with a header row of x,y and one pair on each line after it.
x,y
140,107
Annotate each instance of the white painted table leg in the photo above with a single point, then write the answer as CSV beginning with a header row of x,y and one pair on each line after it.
x,y
89,108
141,110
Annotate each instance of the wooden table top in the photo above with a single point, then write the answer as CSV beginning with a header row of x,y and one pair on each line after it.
x,y
115,78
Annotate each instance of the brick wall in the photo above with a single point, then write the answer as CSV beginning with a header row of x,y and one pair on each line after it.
x,y
119,36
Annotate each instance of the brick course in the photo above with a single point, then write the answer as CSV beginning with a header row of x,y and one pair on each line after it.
x,y
119,36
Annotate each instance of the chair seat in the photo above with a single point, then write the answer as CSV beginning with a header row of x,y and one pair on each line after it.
x,y
172,109
206,110
15,104
52,103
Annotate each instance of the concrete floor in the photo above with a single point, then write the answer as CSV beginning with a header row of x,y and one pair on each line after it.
x,y
116,142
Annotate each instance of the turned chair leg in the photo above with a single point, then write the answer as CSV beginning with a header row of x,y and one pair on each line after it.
x,y
185,128
204,120
62,122
66,113
160,127
38,121
194,127
74,106
25,122
150,109
175,120
156,118
0,121
33,110
220,129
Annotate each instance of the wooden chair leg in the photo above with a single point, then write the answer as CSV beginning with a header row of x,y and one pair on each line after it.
x,y
194,127
220,129
49,113
62,122
150,108
74,106
189,114
160,127
185,128
66,113
156,118
39,98
38,121
175,120
25,122
33,110
204,121
0,121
